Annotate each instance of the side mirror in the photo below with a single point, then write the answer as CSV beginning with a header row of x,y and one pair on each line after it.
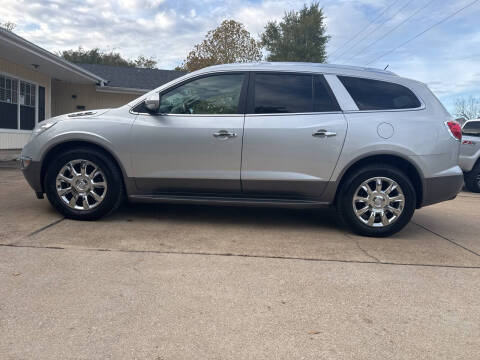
x,y
152,103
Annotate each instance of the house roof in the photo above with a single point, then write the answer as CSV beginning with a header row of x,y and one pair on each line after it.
x,y
20,51
131,78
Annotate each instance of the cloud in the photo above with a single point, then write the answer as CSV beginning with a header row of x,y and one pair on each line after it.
x,y
445,57
442,57
138,4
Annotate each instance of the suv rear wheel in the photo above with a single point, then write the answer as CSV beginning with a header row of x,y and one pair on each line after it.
x,y
84,184
377,200
472,179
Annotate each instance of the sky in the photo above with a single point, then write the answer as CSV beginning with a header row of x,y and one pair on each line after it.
x,y
445,57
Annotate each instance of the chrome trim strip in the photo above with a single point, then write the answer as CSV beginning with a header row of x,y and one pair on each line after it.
x,y
227,201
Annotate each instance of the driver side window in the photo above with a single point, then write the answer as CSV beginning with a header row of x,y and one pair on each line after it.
x,y
217,94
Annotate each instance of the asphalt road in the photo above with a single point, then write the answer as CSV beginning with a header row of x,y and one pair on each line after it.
x,y
198,282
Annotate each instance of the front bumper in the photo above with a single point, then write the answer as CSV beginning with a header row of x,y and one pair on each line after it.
x,y
33,175
442,188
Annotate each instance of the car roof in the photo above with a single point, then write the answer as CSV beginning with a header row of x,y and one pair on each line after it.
x,y
298,66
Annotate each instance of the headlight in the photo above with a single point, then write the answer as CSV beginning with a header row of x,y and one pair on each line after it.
x,y
41,128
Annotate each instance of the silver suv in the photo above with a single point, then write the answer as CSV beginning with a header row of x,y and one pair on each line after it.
x,y
470,154
375,145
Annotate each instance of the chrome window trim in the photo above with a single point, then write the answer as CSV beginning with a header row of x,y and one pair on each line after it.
x,y
238,115
423,107
297,114
189,115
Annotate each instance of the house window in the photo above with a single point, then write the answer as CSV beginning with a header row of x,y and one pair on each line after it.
x,y
8,102
27,105
21,107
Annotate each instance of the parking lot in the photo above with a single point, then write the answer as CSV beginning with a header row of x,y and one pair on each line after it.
x,y
198,282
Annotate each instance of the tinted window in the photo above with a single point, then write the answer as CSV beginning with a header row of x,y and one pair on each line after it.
x,y
379,95
324,99
282,93
41,103
219,94
8,103
27,105
471,128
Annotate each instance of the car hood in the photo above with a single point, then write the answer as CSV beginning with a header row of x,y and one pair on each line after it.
x,y
72,116
77,115
81,114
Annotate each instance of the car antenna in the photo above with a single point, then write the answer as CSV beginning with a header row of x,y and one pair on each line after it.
x,y
386,67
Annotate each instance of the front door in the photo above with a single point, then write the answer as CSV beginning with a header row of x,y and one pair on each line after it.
x,y
194,143
293,135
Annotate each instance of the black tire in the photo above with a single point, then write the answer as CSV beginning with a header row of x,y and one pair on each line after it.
x,y
349,188
114,194
472,179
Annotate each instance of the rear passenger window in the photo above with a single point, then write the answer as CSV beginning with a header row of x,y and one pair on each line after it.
x,y
379,95
282,93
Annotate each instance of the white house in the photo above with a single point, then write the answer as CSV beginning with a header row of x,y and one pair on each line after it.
x,y
36,84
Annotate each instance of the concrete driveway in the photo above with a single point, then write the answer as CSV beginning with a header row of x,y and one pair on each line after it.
x,y
197,282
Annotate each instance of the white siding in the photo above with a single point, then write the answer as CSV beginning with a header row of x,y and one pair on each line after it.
x,y
13,140
67,96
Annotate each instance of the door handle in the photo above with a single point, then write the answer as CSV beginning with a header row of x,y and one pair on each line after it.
x,y
224,134
324,133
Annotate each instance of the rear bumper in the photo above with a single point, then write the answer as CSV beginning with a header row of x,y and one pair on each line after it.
x,y
442,188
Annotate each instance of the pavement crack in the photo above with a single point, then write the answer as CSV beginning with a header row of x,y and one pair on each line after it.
x,y
46,227
445,238
239,255
357,242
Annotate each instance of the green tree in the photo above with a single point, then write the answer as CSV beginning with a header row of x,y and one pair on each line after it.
x,y
97,56
300,36
10,26
143,62
228,43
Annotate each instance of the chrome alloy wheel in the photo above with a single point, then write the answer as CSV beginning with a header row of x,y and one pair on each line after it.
x,y
81,185
378,202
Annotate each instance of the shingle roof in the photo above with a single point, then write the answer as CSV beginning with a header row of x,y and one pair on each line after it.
x,y
133,78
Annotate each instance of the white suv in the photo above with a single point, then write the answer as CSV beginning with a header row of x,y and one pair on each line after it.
x,y
375,145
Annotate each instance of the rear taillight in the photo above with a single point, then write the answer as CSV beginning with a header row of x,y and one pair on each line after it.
x,y
455,129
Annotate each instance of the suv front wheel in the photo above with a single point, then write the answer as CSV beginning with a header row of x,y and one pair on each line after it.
x,y
377,200
84,184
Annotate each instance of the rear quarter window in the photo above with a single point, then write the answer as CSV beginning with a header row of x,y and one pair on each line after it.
x,y
371,94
